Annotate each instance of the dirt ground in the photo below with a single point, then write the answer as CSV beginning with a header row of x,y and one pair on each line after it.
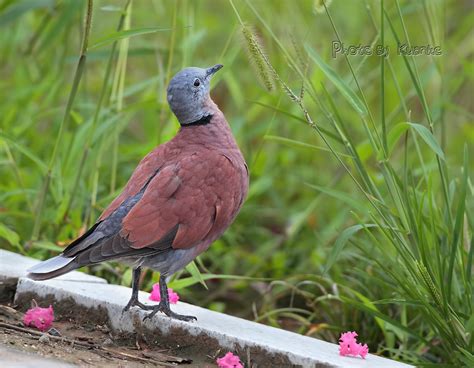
x,y
92,345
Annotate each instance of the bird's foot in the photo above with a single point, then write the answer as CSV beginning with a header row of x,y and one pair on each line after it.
x,y
166,310
134,302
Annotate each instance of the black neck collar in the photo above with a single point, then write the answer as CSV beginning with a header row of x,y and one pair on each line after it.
x,y
203,121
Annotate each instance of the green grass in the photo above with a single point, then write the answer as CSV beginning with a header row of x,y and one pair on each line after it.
x,y
360,211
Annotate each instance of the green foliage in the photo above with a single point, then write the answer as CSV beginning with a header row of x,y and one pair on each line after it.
x,y
360,210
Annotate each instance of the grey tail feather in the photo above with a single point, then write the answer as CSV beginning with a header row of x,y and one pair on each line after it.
x,y
53,267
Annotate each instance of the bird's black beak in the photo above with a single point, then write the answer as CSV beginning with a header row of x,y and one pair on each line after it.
x,y
210,71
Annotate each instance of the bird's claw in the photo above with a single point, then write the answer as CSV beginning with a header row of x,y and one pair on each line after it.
x,y
167,311
134,302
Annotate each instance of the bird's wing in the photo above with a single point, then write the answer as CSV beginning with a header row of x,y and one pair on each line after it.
x,y
145,170
177,206
195,195
103,241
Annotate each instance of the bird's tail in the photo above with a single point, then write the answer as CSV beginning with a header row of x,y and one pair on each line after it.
x,y
53,267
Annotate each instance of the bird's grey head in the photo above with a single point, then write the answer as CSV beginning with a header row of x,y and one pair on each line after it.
x,y
188,94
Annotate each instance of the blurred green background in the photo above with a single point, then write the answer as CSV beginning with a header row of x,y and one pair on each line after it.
x,y
360,210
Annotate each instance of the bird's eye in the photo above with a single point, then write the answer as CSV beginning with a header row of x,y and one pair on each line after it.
x,y
197,82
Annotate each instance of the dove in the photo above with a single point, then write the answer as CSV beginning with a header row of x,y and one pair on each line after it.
x,y
181,197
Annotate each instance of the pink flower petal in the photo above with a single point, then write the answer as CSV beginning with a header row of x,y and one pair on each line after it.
x,y
348,345
174,297
229,361
155,293
364,350
40,318
156,296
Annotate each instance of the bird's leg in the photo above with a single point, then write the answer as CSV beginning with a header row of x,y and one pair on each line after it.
x,y
164,305
135,287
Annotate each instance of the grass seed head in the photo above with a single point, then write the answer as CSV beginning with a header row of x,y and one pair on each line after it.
x,y
256,55
318,6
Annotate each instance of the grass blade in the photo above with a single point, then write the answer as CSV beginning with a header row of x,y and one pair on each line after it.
x,y
345,90
298,144
11,236
67,112
341,242
24,150
17,9
126,34
457,231
429,139
193,269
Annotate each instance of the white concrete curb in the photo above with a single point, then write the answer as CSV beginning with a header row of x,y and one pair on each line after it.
x,y
13,358
211,331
